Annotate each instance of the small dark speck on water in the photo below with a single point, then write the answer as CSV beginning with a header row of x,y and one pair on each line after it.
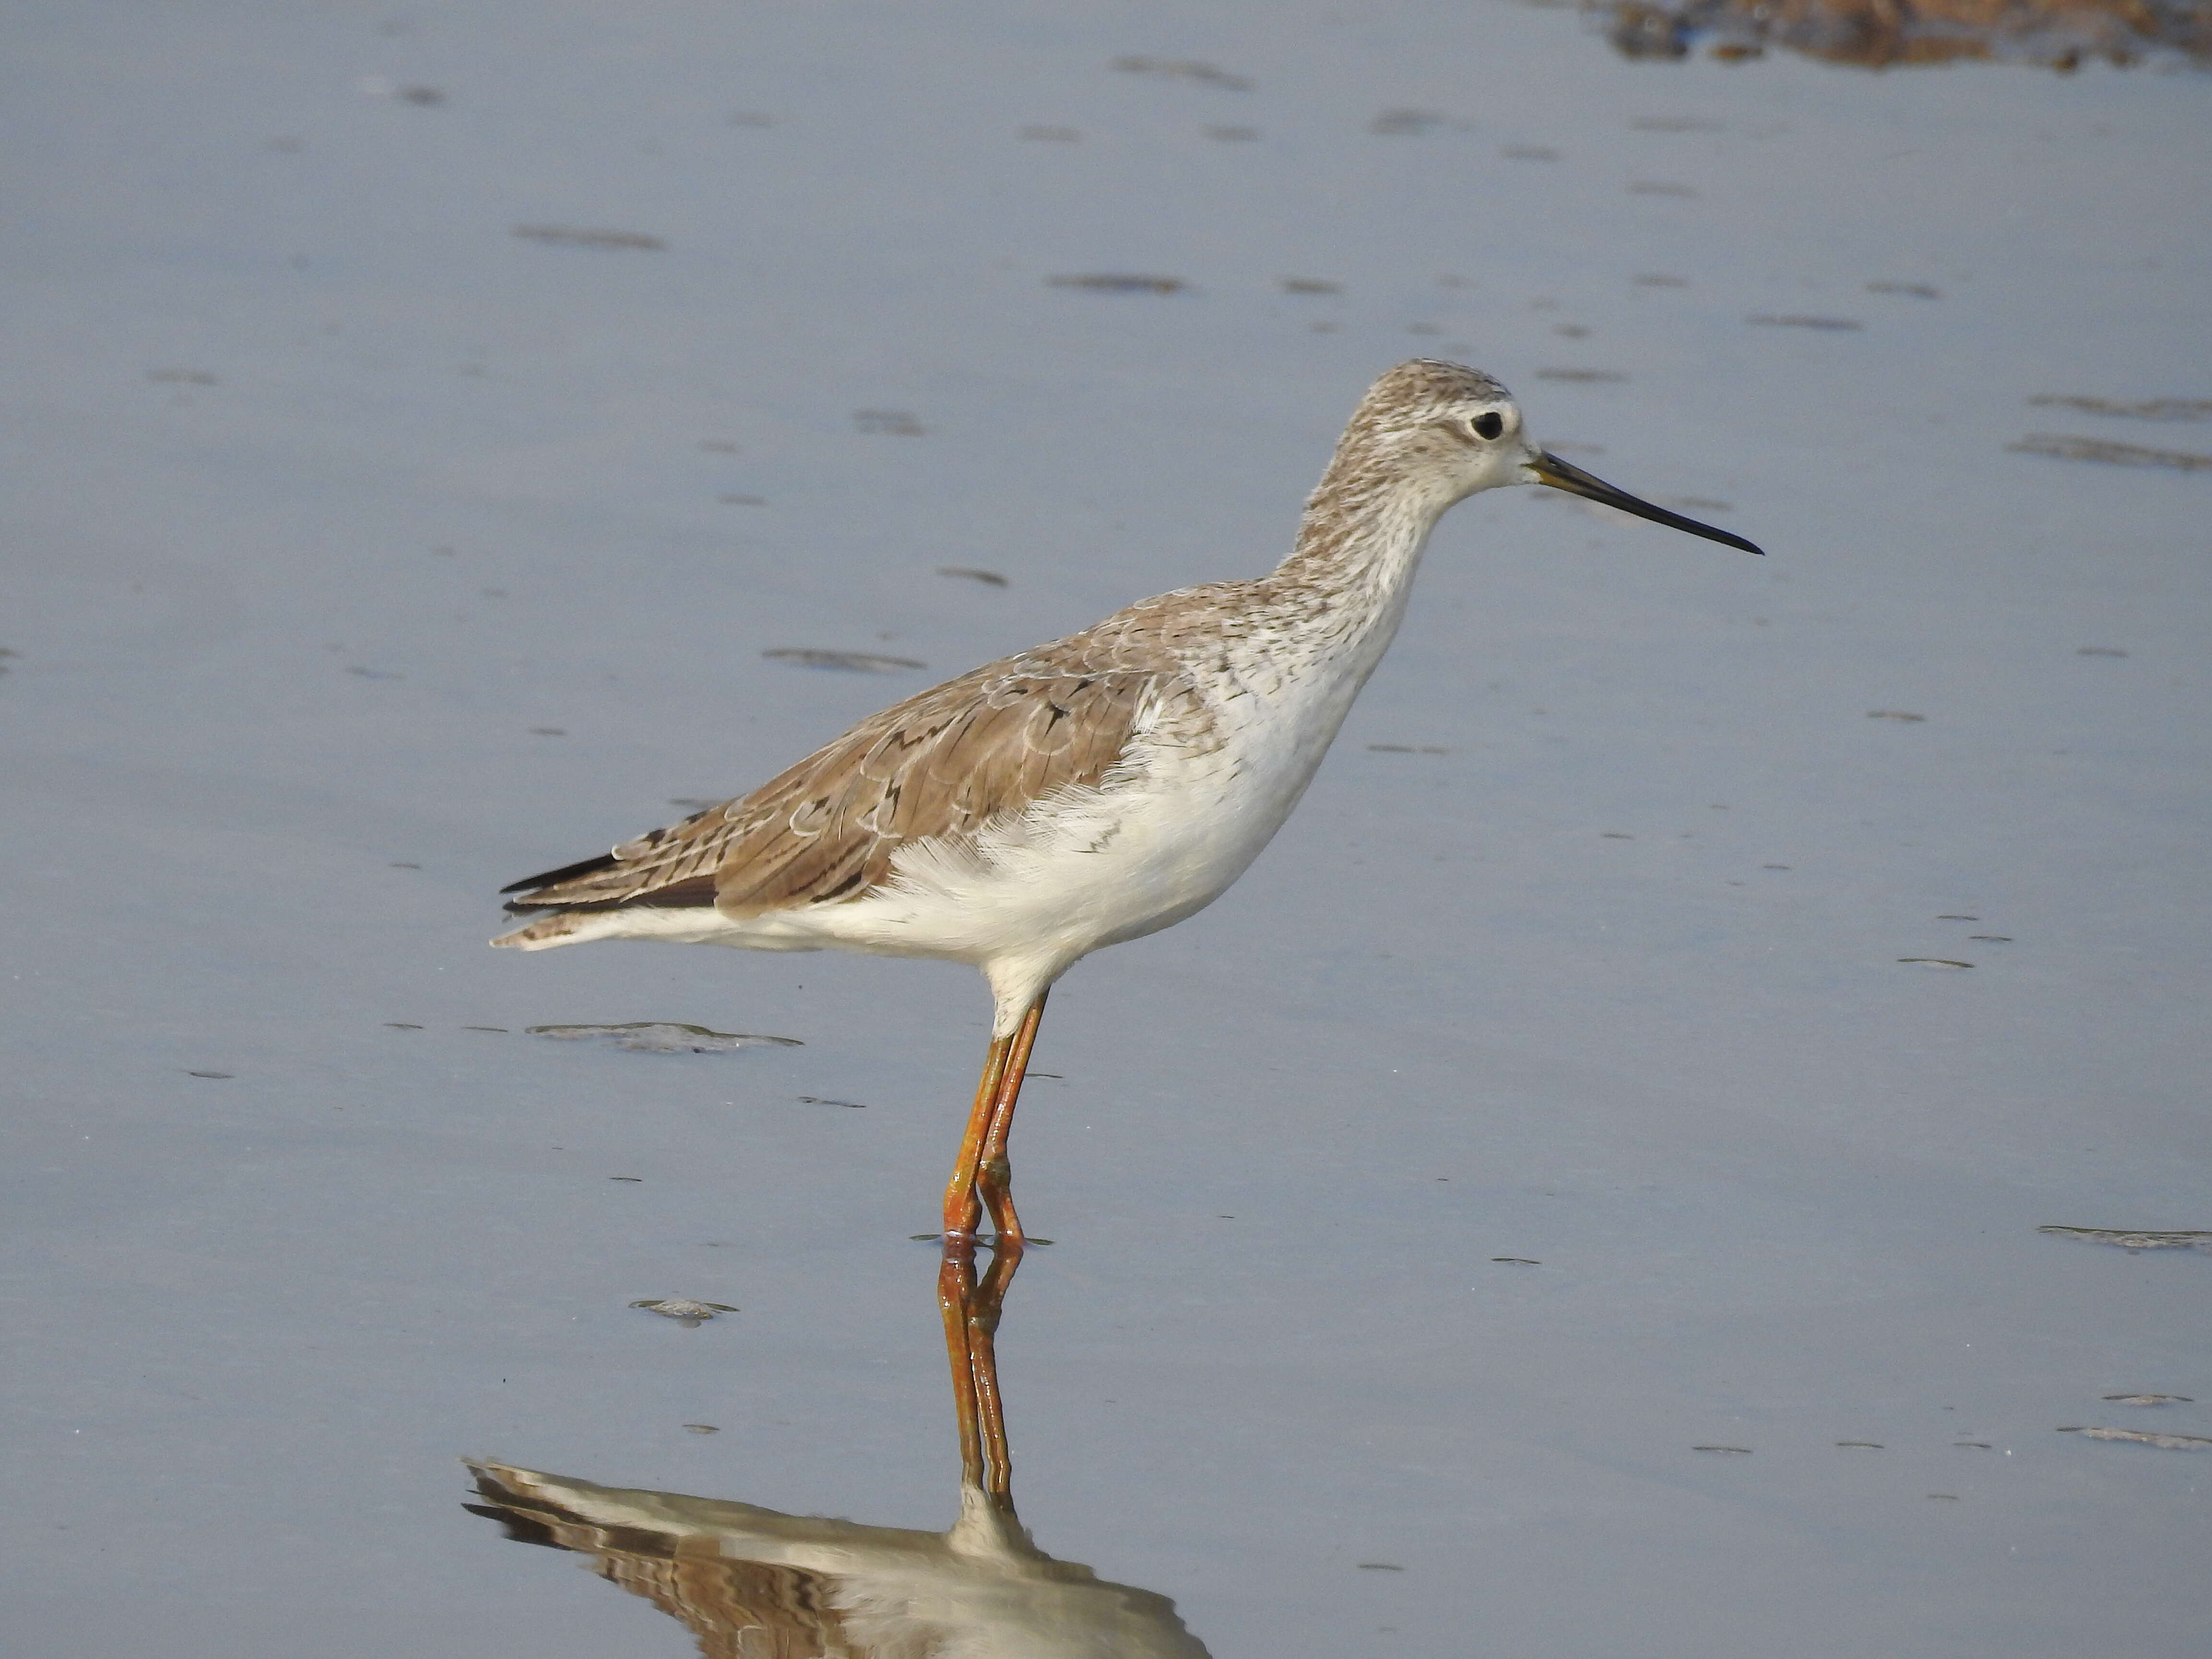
x,y
824,1100
1991,938
1834,324
701,1428
400,1025
1515,1260
1894,714
549,730
1933,962
1614,835
1744,1450
1380,1566
1310,285
2150,1400
1774,867
1585,375
967,573
500,1028
1956,915
1918,290
1185,68
1948,1497
225,1076
634,1179
1973,1445
402,866
1861,1445
570,236
2063,448
1119,283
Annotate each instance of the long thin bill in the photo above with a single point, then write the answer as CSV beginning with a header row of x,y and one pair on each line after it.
x,y
1562,475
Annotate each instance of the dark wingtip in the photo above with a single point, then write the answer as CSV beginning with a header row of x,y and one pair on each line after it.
x,y
530,884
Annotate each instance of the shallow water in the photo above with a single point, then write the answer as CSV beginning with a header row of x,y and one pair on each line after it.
x,y
1551,1206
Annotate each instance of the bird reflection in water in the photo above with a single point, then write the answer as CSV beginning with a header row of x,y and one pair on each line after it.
x,y
755,1583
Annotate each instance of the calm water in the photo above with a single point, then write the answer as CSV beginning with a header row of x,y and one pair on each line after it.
x,y
1562,1202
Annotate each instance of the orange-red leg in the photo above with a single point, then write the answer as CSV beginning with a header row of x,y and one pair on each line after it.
x,y
995,1175
962,1210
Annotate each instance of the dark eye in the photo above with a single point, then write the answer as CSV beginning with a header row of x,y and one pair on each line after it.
x,y
1488,426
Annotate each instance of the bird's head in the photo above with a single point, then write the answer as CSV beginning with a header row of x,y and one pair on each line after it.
x,y
1453,430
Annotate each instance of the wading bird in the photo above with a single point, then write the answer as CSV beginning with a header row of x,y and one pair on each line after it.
x,y
1090,791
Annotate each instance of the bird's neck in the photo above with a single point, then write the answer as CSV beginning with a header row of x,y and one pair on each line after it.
x,y
1360,540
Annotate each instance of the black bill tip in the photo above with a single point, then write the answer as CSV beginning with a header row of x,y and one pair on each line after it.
x,y
1563,475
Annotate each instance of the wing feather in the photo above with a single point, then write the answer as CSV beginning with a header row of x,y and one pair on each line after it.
x,y
939,765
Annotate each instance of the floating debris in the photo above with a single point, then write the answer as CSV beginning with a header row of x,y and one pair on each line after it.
x,y
1380,1566
573,236
1579,374
1406,123
887,422
1893,715
2154,409
2064,448
1918,290
224,1077
850,662
1861,1445
400,1025
824,1100
1767,319
1184,69
181,376
1118,283
969,573
2149,1400
1518,1260
501,1030
2144,1437
660,1036
685,1312
1743,1450
1933,962
1310,285
2135,1241
1956,915
702,1428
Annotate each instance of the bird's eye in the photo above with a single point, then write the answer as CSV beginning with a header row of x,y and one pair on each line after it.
x,y
1489,425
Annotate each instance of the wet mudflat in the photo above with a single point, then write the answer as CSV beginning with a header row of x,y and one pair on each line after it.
x,y
1572,1197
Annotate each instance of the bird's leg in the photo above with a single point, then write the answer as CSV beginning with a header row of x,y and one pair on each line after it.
x,y
995,1175
962,1210
971,1322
